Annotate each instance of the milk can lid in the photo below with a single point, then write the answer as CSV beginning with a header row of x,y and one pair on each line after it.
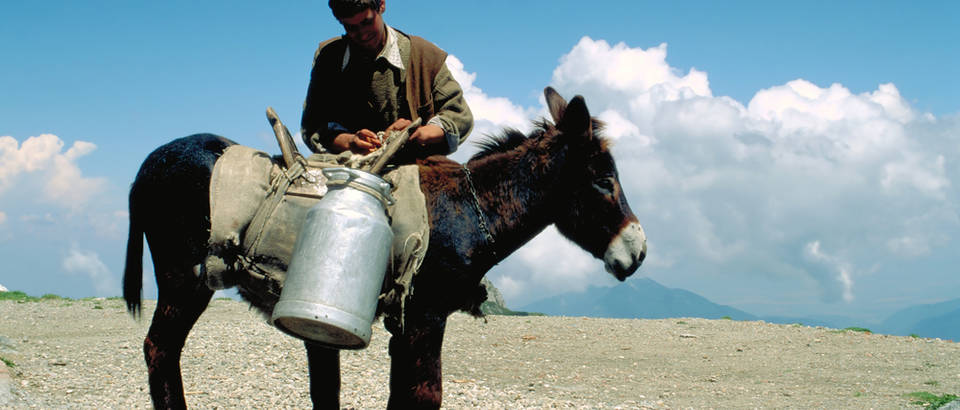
x,y
338,176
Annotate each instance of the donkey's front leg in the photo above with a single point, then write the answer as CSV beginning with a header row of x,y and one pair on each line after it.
x,y
324,365
415,374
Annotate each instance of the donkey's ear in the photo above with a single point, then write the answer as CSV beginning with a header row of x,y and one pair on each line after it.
x,y
555,103
576,118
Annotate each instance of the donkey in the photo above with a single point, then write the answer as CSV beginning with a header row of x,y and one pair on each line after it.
x,y
479,213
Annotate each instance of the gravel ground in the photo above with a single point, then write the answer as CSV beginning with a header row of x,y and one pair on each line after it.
x,y
87,354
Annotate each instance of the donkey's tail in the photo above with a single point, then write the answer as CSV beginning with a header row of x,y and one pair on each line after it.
x,y
133,271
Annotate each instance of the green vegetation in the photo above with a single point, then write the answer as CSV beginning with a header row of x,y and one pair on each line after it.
x,y
853,329
914,335
8,362
491,308
931,401
858,329
726,318
19,296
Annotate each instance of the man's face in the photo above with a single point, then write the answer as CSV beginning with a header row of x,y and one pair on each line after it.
x,y
366,29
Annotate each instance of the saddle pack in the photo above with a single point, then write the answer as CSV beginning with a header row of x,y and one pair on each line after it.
x,y
258,204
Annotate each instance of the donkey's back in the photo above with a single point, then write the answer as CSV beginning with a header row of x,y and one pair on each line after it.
x,y
169,203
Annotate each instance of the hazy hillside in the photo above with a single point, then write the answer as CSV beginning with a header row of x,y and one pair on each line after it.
x,y
644,298
638,298
934,320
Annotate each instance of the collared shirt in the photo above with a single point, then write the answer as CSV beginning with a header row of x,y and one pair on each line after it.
x,y
320,123
390,52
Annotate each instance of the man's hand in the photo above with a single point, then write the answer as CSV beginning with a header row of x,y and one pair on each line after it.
x,y
398,125
363,142
428,135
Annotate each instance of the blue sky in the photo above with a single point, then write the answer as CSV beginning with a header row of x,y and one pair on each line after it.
x,y
784,158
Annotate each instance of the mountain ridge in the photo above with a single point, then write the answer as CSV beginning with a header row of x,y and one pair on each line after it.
x,y
644,298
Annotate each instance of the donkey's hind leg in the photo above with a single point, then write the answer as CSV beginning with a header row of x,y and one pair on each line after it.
x,y
324,365
180,301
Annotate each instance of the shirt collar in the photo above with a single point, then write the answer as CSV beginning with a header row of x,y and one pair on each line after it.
x,y
390,52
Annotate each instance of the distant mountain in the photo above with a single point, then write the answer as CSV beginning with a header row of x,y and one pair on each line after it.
x,y
638,298
934,320
646,299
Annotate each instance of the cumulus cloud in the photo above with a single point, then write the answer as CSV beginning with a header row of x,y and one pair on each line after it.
x,y
834,265
548,264
737,188
88,263
490,114
41,161
720,181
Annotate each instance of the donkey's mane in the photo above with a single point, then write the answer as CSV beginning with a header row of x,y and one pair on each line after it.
x,y
512,138
509,139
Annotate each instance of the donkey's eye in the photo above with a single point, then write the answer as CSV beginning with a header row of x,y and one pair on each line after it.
x,y
604,185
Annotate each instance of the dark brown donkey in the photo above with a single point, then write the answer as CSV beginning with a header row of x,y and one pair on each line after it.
x,y
562,174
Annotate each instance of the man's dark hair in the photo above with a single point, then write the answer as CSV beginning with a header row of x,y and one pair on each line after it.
x,y
346,8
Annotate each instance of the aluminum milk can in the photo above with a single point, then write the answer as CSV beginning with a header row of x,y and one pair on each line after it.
x,y
338,264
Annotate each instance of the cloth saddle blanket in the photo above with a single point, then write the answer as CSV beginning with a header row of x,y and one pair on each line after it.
x,y
257,208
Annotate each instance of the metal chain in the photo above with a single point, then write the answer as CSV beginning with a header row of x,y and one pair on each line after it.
x,y
476,203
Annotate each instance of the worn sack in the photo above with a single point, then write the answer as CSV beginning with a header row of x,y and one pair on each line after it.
x,y
257,208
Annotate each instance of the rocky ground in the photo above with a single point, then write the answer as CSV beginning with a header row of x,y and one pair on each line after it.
x,y
87,354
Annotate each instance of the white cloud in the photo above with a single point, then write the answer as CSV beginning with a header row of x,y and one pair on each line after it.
x,y
490,114
619,69
3,217
88,263
40,161
547,265
726,188
842,283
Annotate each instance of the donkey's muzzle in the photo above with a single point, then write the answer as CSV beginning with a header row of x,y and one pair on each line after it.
x,y
626,251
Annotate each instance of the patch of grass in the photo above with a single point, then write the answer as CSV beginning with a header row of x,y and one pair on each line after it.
x,y
931,383
931,401
858,329
50,296
680,322
15,295
853,329
19,296
726,318
8,362
914,335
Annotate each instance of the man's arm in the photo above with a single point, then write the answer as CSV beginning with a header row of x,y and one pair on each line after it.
x,y
317,128
453,119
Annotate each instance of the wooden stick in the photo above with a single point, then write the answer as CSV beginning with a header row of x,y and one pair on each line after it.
x,y
287,146
393,146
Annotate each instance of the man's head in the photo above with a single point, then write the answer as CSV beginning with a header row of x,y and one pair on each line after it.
x,y
363,22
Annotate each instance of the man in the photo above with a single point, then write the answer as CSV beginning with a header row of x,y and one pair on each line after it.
x,y
376,78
